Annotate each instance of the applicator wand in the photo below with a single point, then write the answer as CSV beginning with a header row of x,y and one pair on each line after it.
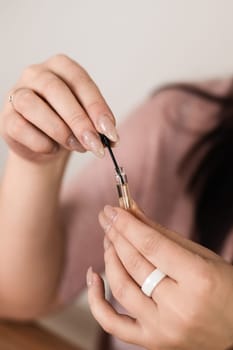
x,y
107,143
121,177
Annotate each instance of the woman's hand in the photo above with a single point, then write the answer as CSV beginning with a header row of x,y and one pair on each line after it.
x,y
191,309
56,105
54,108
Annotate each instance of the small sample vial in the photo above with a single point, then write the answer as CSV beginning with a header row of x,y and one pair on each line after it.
x,y
123,190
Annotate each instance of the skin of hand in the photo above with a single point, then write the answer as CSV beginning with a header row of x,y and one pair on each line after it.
x,y
191,309
54,108
56,105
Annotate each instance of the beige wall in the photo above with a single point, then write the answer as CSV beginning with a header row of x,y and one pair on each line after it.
x,y
128,46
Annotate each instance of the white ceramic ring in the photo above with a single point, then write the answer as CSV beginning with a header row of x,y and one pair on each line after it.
x,y
154,278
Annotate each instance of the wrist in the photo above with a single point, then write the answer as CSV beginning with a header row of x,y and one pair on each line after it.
x,y
32,180
51,168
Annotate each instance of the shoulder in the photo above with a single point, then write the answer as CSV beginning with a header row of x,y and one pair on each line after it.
x,y
174,110
187,104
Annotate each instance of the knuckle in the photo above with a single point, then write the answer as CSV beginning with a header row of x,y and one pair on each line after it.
x,y
134,263
65,62
22,99
151,244
31,71
79,74
205,279
95,105
59,132
100,108
76,119
49,82
60,58
119,291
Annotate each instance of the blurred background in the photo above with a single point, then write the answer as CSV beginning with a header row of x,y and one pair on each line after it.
x,y
129,47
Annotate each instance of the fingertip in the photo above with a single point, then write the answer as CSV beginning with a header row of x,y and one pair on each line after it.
x,y
106,126
116,143
97,280
96,291
89,276
93,278
110,212
91,141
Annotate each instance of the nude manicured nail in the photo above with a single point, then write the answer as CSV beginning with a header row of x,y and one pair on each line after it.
x,y
110,212
74,145
89,276
105,222
93,143
107,127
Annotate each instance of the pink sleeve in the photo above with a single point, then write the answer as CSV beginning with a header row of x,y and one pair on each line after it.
x,y
153,140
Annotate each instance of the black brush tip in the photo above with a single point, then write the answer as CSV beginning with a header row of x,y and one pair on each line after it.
x,y
105,141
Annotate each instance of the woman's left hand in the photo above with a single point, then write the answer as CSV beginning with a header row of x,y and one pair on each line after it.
x,y
191,308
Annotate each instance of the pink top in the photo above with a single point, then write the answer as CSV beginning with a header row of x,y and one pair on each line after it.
x,y
153,141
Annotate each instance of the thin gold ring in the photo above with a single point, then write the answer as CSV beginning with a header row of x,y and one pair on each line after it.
x,y
10,98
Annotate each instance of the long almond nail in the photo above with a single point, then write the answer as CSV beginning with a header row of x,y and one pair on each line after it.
x,y
107,127
73,144
93,143
105,222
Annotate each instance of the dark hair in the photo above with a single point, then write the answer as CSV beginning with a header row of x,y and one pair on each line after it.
x,y
212,180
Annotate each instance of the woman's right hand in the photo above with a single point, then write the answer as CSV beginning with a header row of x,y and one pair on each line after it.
x,y
56,106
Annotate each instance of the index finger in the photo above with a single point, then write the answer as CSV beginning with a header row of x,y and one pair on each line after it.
x,y
162,252
87,93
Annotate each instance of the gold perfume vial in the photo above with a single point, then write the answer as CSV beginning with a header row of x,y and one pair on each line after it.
x,y
125,200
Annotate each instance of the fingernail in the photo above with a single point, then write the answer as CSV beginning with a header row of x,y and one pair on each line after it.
x,y
89,276
107,243
73,144
107,127
93,143
105,222
110,212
